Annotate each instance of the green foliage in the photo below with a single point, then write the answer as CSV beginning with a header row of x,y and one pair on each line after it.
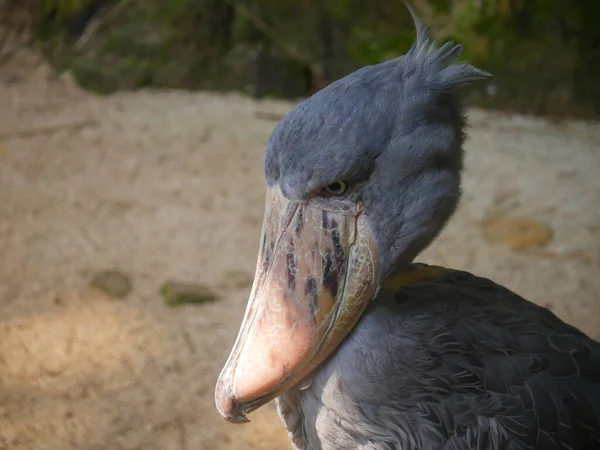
x,y
61,8
544,54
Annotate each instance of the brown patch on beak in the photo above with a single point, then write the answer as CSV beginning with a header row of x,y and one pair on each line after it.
x,y
316,272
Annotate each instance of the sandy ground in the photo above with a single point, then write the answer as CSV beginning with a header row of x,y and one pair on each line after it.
x,y
168,185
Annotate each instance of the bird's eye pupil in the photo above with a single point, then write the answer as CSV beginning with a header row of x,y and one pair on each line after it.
x,y
336,188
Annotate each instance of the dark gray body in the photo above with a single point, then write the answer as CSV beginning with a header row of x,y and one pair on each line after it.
x,y
456,362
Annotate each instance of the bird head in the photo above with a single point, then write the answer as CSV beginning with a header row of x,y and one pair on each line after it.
x,y
361,177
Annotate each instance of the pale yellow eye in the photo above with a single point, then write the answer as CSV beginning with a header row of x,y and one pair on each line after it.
x,y
336,188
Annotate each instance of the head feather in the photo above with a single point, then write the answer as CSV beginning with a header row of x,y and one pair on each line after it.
x,y
438,64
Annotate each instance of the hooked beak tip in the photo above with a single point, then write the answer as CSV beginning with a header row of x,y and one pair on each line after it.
x,y
228,406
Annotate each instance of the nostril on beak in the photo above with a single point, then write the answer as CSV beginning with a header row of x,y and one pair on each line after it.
x,y
227,405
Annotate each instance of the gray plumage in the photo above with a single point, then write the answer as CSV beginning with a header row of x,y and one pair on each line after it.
x,y
456,362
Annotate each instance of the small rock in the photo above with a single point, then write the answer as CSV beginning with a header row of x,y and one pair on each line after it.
x,y
237,279
269,115
175,293
519,233
113,283
581,256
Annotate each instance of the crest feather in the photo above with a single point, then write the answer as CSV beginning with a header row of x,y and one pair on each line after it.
x,y
440,62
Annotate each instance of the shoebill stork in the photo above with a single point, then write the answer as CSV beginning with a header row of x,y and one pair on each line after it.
x,y
361,347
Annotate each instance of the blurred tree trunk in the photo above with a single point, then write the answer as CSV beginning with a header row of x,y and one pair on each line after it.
x,y
588,44
207,30
77,22
263,57
260,77
326,35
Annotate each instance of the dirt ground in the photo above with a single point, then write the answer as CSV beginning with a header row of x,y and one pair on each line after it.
x,y
168,185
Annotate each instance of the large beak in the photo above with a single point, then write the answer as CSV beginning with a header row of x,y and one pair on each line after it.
x,y
316,272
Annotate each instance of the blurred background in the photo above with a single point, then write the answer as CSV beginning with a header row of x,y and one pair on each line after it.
x,y
545,54
131,189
